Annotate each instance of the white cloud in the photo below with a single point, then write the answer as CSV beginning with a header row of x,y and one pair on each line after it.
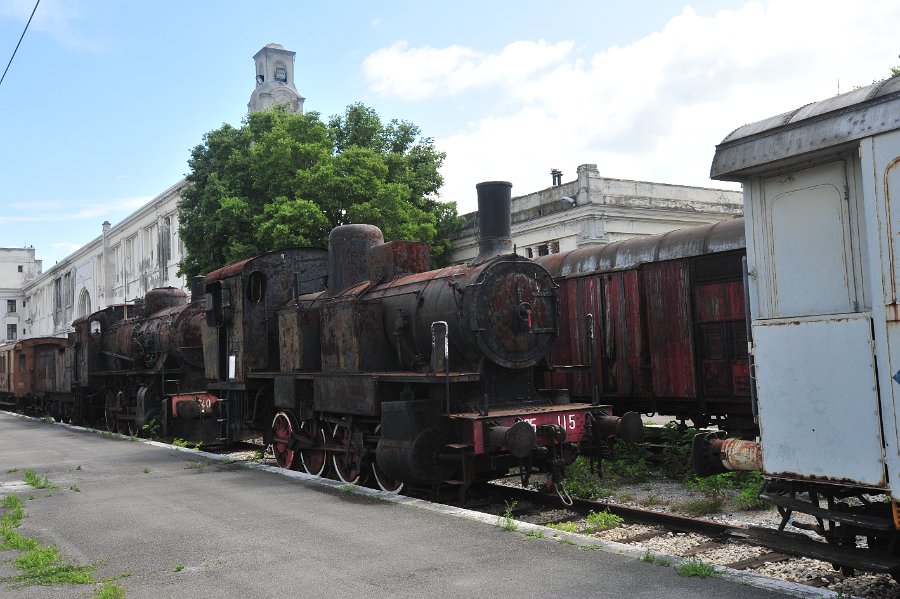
x,y
653,109
54,211
420,73
66,246
57,18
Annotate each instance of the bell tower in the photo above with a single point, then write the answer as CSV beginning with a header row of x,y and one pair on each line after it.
x,y
275,80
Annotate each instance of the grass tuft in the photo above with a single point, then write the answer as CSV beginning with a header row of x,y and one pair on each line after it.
x,y
36,481
506,521
564,526
39,565
697,568
603,520
580,482
653,559
110,590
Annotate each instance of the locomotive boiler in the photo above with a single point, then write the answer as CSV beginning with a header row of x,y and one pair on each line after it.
x,y
428,377
128,358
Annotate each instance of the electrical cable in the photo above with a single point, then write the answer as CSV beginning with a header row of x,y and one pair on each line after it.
x,y
20,41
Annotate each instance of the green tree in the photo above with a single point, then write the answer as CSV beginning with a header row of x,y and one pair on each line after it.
x,y
285,179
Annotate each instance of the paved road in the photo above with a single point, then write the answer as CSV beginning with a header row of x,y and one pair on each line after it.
x,y
183,526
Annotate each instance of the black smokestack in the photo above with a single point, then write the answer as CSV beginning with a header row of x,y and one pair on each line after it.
x,y
197,290
494,200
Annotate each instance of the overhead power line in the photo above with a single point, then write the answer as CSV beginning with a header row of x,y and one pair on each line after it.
x,y
20,41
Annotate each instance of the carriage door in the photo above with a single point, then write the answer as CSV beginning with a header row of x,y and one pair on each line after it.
x,y
812,331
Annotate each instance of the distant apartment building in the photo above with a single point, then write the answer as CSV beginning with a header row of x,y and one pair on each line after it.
x,y
18,267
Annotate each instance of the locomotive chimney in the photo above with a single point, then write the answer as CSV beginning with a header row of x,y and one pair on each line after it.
x,y
197,289
494,228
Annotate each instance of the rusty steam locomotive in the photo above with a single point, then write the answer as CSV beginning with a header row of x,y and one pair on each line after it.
x,y
359,360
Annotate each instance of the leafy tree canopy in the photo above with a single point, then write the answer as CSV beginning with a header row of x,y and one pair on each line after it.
x,y
285,179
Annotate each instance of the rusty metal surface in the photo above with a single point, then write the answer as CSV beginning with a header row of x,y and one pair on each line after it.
x,y
833,122
348,255
35,366
669,329
394,259
243,319
738,454
162,298
630,253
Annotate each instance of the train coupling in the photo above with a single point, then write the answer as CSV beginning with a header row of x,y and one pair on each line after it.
x,y
714,453
556,485
627,427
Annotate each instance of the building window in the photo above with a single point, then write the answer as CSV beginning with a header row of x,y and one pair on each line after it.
x,y
554,247
117,252
21,269
543,250
10,305
529,252
281,74
10,331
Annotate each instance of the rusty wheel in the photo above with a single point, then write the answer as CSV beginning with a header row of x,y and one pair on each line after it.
x,y
348,462
283,426
109,412
385,482
313,461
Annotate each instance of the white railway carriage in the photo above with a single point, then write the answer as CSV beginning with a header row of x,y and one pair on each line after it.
x,y
822,206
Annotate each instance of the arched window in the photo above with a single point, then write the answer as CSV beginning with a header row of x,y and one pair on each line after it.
x,y
84,303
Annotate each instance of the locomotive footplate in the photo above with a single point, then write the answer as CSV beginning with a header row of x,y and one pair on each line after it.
x,y
517,429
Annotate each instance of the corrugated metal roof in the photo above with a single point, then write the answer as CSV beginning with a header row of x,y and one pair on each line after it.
x,y
630,253
825,124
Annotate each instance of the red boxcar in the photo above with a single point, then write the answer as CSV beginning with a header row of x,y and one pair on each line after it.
x,y
656,324
36,375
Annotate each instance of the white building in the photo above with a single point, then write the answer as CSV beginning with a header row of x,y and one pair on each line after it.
x,y
599,210
141,252
127,260
17,268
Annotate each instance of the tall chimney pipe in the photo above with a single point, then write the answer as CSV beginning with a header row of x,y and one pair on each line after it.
x,y
494,219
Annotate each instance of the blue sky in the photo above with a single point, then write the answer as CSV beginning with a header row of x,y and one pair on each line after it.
x,y
105,98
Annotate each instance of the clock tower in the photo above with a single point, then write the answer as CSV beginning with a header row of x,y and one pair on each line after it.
x,y
275,80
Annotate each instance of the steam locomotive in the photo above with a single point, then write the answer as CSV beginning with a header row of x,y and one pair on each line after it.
x,y
359,360
418,376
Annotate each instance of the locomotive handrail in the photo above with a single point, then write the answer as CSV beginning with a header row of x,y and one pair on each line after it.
x,y
445,355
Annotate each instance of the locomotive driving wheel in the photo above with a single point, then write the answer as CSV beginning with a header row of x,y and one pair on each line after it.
x,y
283,427
109,411
313,461
347,462
385,482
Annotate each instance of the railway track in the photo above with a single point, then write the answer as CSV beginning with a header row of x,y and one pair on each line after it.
x,y
730,545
